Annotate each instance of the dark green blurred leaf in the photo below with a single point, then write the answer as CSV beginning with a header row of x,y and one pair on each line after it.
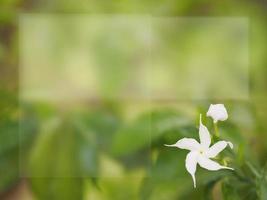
x,y
165,175
103,123
262,185
133,137
14,148
64,153
9,171
66,188
235,187
229,191
8,136
142,132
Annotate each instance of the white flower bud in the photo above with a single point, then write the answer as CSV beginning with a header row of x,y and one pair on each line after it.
x,y
217,112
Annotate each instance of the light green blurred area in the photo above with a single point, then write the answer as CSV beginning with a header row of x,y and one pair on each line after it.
x,y
133,57
91,90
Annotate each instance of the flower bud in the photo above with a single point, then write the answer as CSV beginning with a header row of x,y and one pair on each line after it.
x,y
217,112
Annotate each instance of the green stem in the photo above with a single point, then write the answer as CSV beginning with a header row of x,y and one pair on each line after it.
x,y
217,134
253,169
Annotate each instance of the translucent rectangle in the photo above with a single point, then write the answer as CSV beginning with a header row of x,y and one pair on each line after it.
x,y
71,57
199,58
74,69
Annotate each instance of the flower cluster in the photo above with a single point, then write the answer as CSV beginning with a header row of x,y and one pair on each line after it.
x,y
202,153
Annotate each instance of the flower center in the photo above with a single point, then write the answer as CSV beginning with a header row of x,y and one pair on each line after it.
x,y
201,151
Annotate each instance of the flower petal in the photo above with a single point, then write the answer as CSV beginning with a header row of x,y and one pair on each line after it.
x,y
204,135
210,164
215,149
186,143
191,164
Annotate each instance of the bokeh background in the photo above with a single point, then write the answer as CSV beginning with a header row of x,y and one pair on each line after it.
x,y
91,90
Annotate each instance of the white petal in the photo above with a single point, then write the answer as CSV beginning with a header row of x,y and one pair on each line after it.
x,y
186,143
191,164
204,134
217,112
215,149
210,164
230,144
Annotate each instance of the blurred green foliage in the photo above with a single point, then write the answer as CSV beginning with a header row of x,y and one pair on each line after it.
x,y
100,151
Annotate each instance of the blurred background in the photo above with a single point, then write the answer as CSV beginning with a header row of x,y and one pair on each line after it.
x,y
91,90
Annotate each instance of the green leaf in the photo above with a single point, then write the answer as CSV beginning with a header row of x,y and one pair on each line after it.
x,y
165,176
9,169
10,142
62,157
229,191
132,137
8,136
262,185
67,188
235,187
145,130
102,122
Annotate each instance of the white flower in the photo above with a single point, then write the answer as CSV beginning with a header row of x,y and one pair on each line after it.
x,y
217,112
201,152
